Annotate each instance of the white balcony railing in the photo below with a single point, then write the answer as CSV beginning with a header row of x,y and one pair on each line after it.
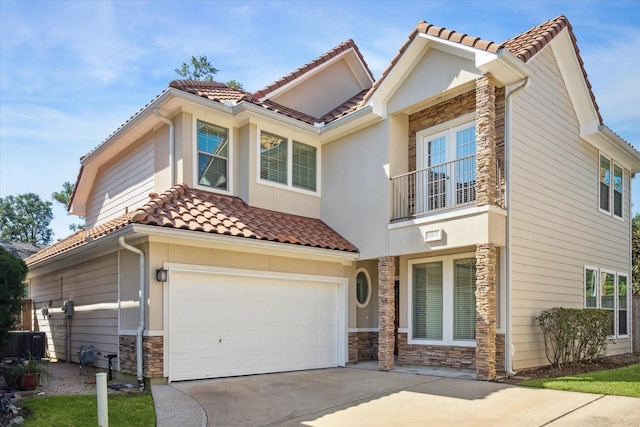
x,y
437,188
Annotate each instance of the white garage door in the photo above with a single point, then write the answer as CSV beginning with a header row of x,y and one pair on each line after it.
x,y
223,324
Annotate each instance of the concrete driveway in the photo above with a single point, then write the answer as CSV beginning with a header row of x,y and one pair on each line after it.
x,y
355,397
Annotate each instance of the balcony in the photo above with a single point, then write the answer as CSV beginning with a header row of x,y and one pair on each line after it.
x,y
438,188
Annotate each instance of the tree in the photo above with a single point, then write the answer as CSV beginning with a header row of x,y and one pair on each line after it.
x,y
201,69
25,218
235,84
198,69
64,197
13,271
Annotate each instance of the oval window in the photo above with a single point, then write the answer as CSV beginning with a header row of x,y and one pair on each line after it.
x,y
363,288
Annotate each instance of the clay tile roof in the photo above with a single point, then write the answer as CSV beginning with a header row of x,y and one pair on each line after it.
x,y
345,108
525,45
349,44
454,36
286,111
214,91
80,238
235,218
191,209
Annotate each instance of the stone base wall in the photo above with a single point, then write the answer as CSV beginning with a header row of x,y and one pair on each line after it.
x,y
500,353
152,363
367,346
353,347
363,346
435,355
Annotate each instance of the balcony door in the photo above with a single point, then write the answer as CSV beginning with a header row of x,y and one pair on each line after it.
x,y
447,168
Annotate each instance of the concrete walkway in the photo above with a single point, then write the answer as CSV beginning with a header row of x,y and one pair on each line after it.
x,y
175,408
362,397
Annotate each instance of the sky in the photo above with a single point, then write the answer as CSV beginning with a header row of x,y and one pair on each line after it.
x,y
72,72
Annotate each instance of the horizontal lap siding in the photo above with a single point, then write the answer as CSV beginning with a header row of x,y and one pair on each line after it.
x,y
122,185
556,227
93,288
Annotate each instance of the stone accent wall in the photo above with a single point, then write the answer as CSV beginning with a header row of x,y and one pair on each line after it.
x,y
367,345
127,345
152,364
353,347
435,355
485,142
486,256
386,313
500,149
435,115
500,353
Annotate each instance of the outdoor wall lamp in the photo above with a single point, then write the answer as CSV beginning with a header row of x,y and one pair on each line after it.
x,y
161,275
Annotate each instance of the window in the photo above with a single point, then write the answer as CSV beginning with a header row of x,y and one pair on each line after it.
x,y
447,161
273,158
363,288
608,290
427,301
442,301
465,299
611,187
287,162
213,155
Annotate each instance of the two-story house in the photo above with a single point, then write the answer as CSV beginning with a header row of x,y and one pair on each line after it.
x,y
425,217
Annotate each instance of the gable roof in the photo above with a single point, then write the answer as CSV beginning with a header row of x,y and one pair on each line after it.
x,y
283,81
190,209
524,46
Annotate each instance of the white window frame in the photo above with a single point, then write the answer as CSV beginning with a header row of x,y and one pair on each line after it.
x,y
289,185
612,168
598,290
230,158
369,287
448,301
448,130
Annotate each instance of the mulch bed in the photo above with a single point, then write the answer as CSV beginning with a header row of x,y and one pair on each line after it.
x,y
610,362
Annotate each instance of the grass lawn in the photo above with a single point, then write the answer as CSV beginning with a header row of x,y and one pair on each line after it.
x,y
135,410
619,382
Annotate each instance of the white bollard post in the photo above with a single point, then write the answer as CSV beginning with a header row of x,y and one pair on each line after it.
x,y
103,404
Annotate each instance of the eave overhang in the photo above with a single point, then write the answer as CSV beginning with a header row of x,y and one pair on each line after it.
x,y
138,233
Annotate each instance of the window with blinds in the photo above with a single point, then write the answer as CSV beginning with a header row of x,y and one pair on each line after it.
x,y
273,158
288,162
427,301
304,166
465,299
213,155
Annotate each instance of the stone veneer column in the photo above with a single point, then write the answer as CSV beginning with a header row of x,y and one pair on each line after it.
x,y
486,257
485,141
386,313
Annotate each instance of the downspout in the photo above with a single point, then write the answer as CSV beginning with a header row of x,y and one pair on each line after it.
x,y
171,143
507,171
140,330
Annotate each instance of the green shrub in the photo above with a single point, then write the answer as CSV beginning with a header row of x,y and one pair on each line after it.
x,y
574,335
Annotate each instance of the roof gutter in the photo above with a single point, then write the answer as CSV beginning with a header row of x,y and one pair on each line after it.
x,y
509,349
171,144
143,301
